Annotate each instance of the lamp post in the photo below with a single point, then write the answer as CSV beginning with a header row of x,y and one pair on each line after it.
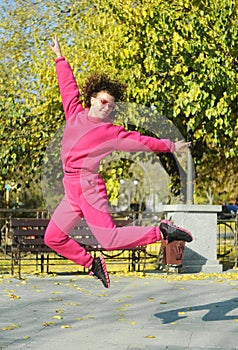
x,y
189,194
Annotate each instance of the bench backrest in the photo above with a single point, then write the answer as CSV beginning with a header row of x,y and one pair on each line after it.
x,y
28,234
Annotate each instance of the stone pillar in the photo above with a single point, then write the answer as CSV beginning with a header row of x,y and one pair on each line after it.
x,y
201,254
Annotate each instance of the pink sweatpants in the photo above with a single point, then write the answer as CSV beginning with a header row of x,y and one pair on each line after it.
x,y
86,196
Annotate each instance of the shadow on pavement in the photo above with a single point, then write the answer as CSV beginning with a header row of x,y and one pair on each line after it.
x,y
216,312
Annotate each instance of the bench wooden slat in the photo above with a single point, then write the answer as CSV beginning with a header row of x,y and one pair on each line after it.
x,y
29,222
36,249
27,232
31,241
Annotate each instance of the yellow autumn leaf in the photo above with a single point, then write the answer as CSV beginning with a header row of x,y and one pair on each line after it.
x,y
13,296
47,324
11,327
181,313
6,328
58,317
65,326
133,322
150,336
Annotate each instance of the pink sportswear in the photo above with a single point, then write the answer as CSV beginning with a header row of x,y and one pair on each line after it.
x,y
86,141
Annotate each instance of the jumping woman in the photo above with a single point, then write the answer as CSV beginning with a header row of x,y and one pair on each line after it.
x,y
89,136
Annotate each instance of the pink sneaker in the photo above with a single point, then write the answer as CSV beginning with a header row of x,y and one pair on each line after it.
x,y
99,270
172,233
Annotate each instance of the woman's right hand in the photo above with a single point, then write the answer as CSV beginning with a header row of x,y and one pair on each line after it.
x,y
56,47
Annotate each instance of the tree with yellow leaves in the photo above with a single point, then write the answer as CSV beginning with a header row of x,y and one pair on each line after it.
x,y
179,57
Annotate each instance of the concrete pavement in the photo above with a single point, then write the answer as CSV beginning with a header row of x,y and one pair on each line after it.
x,y
156,312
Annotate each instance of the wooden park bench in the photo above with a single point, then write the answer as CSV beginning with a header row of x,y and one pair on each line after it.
x,y
28,238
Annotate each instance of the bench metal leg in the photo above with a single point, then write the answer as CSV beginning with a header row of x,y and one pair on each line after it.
x,y
144,263
130,261
16,260
42,263
12,264
47,263
37,261
19,266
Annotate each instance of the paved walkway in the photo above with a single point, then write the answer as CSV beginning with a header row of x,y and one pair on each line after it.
x,y
152,313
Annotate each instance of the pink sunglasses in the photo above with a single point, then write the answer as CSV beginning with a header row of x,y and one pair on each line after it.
x,y
105,102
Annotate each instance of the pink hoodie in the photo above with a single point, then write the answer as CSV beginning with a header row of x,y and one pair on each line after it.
x,y
87,140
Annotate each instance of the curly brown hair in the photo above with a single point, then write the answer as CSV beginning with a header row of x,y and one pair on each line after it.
x,y
101,82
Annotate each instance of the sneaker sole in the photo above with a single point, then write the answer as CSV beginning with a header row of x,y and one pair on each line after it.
x,y
107,284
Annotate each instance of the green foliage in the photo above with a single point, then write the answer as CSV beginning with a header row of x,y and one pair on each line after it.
x,y
179,56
